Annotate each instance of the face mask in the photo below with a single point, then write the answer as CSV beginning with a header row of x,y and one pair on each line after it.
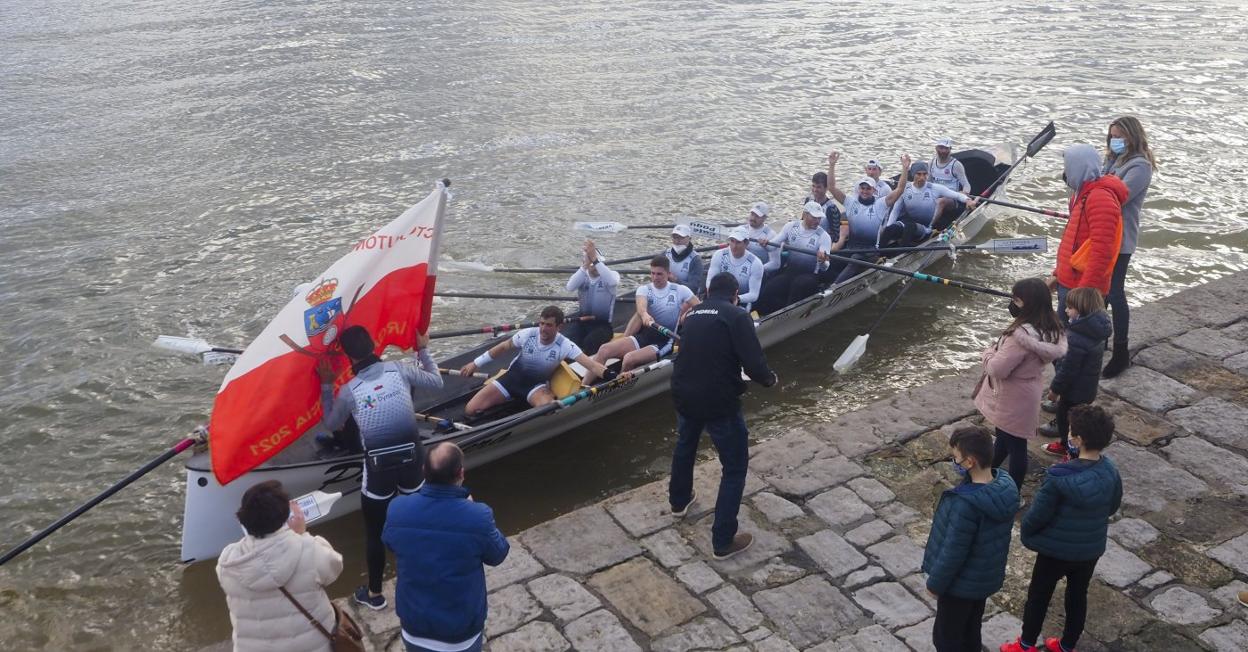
x,y
680,249
1014,309
1117,145
958,468
868,201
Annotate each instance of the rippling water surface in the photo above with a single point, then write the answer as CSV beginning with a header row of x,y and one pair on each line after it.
x,y
172,167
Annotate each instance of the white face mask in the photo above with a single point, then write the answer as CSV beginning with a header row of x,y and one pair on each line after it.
x,y
680,249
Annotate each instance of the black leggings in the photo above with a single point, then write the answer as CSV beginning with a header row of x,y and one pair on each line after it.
x,y
374,550
1015,448
1117,300
1044,577
958,625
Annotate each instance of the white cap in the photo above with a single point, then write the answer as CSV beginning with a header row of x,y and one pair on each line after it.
x,y
761,209
740,234
814,208
866,181
682,230
945,142
874,164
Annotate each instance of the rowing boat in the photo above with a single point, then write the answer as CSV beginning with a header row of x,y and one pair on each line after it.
x,y
208,520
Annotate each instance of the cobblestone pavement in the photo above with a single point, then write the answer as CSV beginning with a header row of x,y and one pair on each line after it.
x,y
840,513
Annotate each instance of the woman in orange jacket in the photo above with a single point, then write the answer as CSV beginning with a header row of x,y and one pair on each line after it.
x,y
1093,235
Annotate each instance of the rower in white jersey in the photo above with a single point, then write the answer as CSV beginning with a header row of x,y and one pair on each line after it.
x,y
686,264
539,352
831,220
660,302
949,172
802,272
742,264
872,169
865,216
758,230
912,217
595,286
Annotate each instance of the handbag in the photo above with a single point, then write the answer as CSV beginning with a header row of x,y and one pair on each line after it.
x,y
346,637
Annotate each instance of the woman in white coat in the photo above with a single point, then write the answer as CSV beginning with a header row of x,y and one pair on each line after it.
x,y
277,552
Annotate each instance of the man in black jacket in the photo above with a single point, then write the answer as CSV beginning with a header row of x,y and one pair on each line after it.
x,y
717,340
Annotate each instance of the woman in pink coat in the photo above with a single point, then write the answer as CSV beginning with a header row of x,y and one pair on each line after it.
x,y
1009,393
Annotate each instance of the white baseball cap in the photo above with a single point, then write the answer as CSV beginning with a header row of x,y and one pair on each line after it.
x,y
945,142
874,164
740,234
866,181
813,208
682,230
761,209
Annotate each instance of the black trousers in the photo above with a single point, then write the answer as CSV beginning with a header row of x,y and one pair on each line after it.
x,y
589,335
1044,577
1007,445
374,512
957,626
1063,418
788,286
1117,299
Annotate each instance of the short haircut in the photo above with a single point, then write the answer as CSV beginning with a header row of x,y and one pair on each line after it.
x,y
819,178
444,464
1093,425
264,509
356,343
974,441
552,312
723,285
661,261
1085,300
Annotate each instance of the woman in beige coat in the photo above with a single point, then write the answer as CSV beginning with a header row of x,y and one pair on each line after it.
x,y
1009,394
276,554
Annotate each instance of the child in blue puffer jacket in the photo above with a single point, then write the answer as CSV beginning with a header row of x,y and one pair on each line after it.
x,y
1079,371
1067,527
970,540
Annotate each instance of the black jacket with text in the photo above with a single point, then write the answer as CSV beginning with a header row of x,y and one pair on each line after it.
x,y
717,341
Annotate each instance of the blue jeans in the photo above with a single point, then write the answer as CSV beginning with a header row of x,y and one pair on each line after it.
x,y
731,440
475,647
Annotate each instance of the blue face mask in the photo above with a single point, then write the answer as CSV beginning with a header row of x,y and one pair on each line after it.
x,y
958,468
1117,145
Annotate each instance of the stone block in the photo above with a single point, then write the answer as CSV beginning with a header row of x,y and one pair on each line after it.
x,y
563,596
646,596
891,605
1233,553
1231,637
775,572
1221,468
375,622
871,491
832,553
1149,482
871,427
1152,323
815,475
1180,606
698,576
1217,420
786,453
518,566
600,631
767,543
1150,390
1185,561
1202,306
809,611
1133,533
1117,615
899,555
774,643
668,547
701,633
899,514
1227,596
1237,363
706,483
869,533
840,507
868,639
510,607
1210,342
757,634
1156,579
919,637
643,510
1120,567
775,508
868,575
1133,424
1000,628
917,584
537,636
735,608
582,542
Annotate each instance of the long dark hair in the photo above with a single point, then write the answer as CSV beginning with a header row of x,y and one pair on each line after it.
x,y
1037,309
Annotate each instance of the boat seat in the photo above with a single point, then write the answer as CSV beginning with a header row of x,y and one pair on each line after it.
x,y
566,381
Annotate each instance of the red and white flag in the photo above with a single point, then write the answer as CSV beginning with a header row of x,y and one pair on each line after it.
x,y
271,395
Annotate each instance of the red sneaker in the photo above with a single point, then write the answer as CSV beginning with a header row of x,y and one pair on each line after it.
x,y
1055,645
1017,646
1056,448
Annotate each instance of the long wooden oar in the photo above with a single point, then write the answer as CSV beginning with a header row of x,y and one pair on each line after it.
x,y
1021,207
479,267
560,270
930,278
859,346
615,227
994,246
197,437
487,295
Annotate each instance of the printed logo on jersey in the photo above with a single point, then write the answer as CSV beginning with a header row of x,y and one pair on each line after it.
x,y
370,401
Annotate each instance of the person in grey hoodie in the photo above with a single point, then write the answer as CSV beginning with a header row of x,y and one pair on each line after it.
x,y
1129,158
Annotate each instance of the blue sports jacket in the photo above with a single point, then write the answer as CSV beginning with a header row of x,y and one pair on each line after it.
x,y
970,539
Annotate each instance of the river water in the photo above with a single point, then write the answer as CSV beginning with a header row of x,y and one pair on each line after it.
x,y
171,167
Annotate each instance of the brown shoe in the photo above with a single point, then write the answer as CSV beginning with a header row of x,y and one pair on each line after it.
x,y
1243,598
740,544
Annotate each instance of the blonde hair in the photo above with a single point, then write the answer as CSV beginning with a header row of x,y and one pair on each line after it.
x,y
1137,142
1085,300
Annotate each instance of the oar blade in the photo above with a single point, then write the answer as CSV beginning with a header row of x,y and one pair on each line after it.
x,y
705,229
183,345
1041,139
1016,246
600,227
853,353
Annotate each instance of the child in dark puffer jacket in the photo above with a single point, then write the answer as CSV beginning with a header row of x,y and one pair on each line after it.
x,y
1079,371
970,540
1067,526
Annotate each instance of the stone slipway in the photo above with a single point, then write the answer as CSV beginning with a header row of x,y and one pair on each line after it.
x,y
840,512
